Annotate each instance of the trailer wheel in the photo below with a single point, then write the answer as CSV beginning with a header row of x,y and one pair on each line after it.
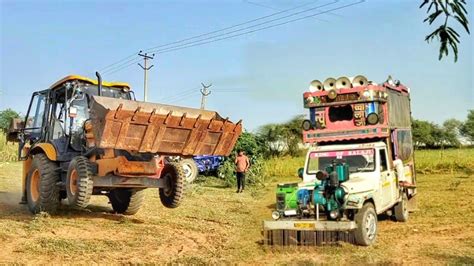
x,y
42,191
190,170
401,209
172,194
366,220
79,182
126,201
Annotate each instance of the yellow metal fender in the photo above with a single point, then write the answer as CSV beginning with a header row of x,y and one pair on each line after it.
x,y
45,148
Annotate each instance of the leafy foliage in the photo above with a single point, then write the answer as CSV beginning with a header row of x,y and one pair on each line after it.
x,y
6,117
430,135
467,129
444,33
280,139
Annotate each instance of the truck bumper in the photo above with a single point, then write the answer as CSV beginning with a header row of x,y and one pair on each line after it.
x,y
309,225
307,232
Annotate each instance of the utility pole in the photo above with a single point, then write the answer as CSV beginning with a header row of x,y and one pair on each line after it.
x,y
146,57
204,93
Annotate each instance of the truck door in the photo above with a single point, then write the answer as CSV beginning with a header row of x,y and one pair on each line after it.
x,y
386,179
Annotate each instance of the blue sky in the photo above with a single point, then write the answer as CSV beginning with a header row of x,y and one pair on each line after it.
x,y
258,77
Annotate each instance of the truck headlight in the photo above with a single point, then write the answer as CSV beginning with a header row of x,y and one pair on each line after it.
x,y
334,214
276,215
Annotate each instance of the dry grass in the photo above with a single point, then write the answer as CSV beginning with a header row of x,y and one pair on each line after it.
x,y
216,225
8,150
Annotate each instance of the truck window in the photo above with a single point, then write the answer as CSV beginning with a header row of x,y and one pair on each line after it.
x,y
383,160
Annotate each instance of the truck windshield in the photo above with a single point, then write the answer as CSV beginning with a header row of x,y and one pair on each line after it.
x,y
360,160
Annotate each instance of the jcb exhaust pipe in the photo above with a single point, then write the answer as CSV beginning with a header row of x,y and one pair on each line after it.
x,y
99,81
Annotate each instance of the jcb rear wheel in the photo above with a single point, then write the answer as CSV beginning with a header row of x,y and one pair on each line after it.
x,y
42,191
172,194
126,201
79,183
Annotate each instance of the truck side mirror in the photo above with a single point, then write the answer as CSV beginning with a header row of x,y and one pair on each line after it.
x,y
301,172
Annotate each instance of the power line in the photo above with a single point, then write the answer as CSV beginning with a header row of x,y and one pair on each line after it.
x,y
259,29
248,27
107,68
228,28
273,8
200,42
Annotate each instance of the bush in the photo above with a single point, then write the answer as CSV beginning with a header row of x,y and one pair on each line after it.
x,y
8,151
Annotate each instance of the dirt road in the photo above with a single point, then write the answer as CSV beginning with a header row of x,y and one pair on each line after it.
x,y
216,225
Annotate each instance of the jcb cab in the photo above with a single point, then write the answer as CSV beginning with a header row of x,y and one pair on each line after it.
x,y
82,137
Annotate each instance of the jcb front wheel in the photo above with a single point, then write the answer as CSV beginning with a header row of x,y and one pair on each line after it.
x,y
79,183
42,191
172,194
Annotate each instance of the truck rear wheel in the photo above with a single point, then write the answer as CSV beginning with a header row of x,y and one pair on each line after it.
x,y
190,170
366,220
400,210
172,193
126,201
79,182
42,191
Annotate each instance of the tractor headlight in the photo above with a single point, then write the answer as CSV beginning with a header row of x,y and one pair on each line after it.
x,y
276,215
334,214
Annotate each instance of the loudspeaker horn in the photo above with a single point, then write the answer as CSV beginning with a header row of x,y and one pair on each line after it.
x,y
329,84
359,81
316,85
343,83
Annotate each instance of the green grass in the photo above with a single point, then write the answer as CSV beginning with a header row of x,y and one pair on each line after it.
x,y
214,225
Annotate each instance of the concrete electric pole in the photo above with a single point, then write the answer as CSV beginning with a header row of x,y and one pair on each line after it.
x,y
146,57
204,93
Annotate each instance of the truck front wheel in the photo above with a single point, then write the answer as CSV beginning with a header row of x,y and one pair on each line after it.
x,y
366,220
172,193
401,209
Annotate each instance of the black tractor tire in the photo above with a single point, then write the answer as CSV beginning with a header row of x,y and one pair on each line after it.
x,y
366,221
42,190
127,201
400,211
190,170
79,183
172,194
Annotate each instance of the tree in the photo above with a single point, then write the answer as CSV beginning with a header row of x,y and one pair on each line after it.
x,y
282,138
454,9
422,133
6,117
467,128
451,132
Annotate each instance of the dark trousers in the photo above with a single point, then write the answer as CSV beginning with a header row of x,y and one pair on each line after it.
x,y
240,180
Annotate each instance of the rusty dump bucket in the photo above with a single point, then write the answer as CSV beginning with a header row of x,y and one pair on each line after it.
x,y
159,128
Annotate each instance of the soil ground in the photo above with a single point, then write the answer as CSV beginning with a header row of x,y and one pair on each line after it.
x,y
216,225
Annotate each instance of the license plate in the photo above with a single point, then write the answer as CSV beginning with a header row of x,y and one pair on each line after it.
x,y
304,225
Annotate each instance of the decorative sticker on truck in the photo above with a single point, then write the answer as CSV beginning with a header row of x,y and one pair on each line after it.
x,y
340,154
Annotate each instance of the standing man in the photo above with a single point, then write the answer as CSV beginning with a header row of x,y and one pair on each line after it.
x,y
242,165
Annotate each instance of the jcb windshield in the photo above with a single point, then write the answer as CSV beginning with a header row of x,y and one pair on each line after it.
x,y
361,160
108,92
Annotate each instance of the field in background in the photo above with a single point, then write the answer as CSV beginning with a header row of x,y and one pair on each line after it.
x,y
216,225
8,151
